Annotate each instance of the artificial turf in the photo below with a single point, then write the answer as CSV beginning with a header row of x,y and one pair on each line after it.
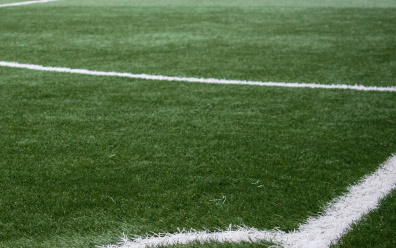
x,y
376,229
267,43
85,159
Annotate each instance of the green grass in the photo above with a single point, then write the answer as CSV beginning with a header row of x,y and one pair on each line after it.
x,y
238,3
313,45
376,229
85,159
10,1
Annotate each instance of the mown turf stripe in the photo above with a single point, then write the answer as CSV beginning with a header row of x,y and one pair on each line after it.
x,y
317,232
25,3
193,80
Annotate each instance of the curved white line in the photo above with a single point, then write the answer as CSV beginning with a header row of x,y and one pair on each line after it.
x,y
318,232
25,3
194,80
185,237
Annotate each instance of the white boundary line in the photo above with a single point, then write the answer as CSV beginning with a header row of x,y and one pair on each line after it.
x,y
193,80
317,232
25,3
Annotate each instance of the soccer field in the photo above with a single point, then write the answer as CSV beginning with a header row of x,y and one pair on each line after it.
x,y
248,120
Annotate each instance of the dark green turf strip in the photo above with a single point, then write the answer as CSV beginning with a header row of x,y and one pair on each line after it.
x,y
95,156
84,159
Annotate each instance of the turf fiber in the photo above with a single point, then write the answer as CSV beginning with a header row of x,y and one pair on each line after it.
x,y
84,159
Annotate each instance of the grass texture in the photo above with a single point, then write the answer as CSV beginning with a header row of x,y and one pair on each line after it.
x,y
300,44
376,229
84,159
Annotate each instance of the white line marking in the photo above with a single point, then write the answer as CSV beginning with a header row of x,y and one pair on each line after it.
x,y
346,210
194,80
25,3
318,232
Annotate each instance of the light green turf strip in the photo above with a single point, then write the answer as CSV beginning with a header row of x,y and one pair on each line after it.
x,y
238,3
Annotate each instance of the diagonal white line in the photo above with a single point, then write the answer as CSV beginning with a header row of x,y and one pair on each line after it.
x,y
319,232
346,210
25,3
194,80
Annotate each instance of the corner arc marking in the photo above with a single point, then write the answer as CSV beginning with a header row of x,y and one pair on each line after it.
x,y
319,232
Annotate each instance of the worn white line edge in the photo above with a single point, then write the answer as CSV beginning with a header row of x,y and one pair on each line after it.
x,y
317,232
25,3
193,80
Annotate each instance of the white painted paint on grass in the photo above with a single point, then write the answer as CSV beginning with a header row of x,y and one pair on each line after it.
x,y
317,232
26,3
185,237
194,80
338,217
